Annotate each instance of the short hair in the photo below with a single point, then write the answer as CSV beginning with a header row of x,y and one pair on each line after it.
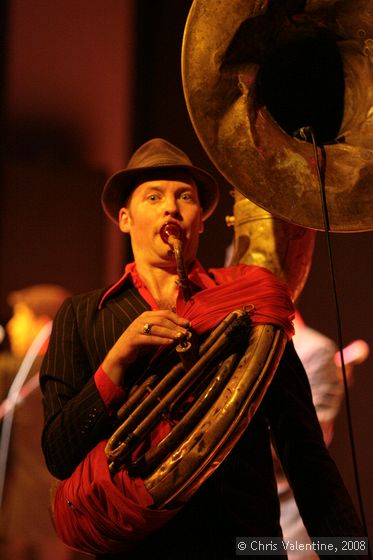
x,y
42,299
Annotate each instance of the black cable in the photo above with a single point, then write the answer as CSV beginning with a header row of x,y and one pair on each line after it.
x,y
303,133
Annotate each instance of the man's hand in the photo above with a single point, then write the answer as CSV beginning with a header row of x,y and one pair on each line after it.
x,y
151,328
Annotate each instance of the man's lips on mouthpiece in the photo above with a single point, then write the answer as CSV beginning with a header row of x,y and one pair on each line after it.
x,y
170,229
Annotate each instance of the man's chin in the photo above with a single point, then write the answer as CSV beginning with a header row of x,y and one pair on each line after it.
x,y
165,260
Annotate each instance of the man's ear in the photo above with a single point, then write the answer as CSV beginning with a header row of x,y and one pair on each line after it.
x,y
124,220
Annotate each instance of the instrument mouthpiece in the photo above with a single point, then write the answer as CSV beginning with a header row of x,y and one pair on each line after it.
x,y
170,230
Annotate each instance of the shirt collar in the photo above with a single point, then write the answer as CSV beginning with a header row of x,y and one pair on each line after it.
x,y
197,276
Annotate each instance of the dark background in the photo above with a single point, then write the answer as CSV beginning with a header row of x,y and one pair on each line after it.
x,y
84,82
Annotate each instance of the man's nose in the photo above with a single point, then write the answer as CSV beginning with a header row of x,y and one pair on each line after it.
x,y
171,207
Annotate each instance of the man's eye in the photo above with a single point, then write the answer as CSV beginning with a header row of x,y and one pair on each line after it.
x,y
186,196
153,197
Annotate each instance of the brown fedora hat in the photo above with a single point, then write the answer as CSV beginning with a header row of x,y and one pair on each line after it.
x,y
156,155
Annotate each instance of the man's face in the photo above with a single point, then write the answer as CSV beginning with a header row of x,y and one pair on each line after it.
x,y
151,205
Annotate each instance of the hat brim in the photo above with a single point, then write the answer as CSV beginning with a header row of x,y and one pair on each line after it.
x,y
120,185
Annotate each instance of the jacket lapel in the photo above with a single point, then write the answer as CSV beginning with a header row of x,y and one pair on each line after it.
x,y
126,306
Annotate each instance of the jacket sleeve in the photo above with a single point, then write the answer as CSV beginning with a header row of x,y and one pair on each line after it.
x,y
75,416
322,498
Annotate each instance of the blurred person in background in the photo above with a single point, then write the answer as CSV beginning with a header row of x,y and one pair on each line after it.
x,y
26,530
321,359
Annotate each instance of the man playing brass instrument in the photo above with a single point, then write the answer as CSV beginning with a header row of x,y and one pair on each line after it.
x,y
102,343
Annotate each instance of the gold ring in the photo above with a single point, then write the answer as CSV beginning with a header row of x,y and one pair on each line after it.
x,y
147,329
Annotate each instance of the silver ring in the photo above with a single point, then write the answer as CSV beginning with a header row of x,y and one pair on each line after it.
x,y
147,328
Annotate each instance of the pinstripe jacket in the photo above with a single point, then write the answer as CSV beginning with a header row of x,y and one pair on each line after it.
x,y
82,335
240,498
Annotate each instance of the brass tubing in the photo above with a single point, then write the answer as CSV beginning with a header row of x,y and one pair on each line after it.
x,y
148,412
137,396
187,350
198,456
154,413
115,445
143,466
171,233
181,270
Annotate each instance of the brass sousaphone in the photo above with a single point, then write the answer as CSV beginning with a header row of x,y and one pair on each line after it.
x,y
237,57
256,71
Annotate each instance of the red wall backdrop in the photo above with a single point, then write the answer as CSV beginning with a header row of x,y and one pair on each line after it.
x,y
86,82
69,83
